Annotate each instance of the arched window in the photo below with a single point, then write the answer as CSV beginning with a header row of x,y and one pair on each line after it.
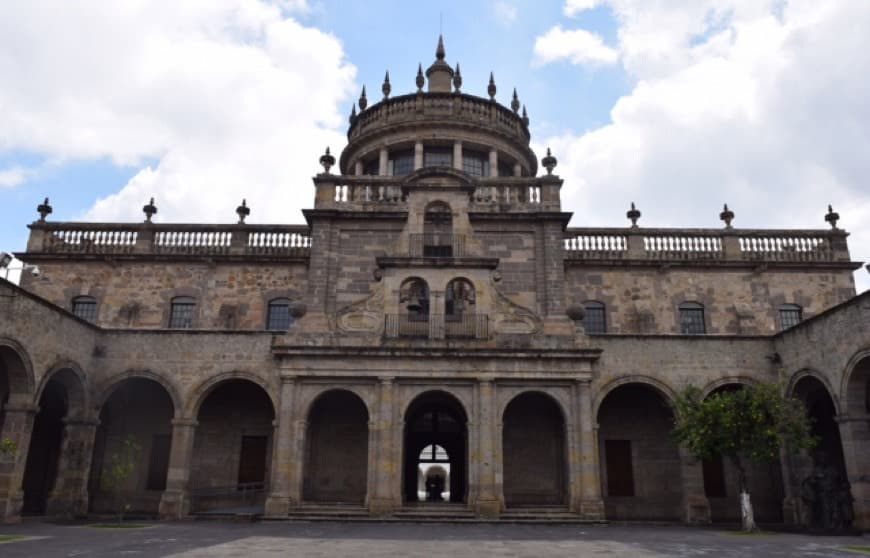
x,y
278,316
790,315
594,318
181,312
437,231
85,307
692,318
414,299
458,299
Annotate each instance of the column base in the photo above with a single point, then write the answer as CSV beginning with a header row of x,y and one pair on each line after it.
x,y
793,511
487,509
381,506
696,511
67,505
592,509
10,507
277,505
174,505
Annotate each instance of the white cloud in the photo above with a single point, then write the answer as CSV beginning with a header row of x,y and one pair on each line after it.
x,y
574,7
505,12
577,46
227,99
754,104
13,176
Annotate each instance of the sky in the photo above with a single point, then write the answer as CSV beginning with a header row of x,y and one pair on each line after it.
x,y
676,105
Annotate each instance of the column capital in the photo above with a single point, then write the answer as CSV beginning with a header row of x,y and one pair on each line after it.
x,y
184,421
584,382
842,418
80,421
21,408
289,378
386,379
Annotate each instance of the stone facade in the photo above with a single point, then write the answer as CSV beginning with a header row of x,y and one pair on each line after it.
x,y
434,337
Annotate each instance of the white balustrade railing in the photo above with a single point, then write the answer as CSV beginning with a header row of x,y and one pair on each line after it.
x,y
683,247
786,248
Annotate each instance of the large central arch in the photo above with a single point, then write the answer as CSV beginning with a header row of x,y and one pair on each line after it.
x,y
435,418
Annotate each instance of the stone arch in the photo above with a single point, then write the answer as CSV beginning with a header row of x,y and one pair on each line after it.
x,y
436,417
336,447
18,365
434,172
309,400
74,380
557,398
534,450
638,456
667,393
815,374
855,384
715,385
108,387
202,390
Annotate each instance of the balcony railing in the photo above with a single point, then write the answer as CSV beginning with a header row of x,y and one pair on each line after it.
x,y
169,239
706,245
462,326
437,245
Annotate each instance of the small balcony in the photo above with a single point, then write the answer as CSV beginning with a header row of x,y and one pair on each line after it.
x,y
437,245
462,326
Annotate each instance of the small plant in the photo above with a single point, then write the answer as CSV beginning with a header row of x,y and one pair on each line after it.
x,y
122,465
7,447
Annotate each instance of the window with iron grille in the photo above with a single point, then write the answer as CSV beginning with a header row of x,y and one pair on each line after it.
x,y
371,167
401,163
594,320
475,163
278,316
181,312
85,307
692,319
438,157
790,315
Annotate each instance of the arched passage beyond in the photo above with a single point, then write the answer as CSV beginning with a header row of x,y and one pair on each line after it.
x,y
436,419
232,446
533,445
337,443
139,410
640,462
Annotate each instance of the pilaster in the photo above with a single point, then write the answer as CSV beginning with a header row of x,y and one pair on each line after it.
x,y
382,500
17,427
175,501
487,503
695,505
591,505
279,500
70,495
855,436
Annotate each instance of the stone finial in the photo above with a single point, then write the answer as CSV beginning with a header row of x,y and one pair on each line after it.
x,y
385,88
515,102
363,101
549,162
149,210
439,50
421,81
352,117
457,78
576,312
327,161
490,89
243,211
525,117
727,216
832,217
633,214
44,209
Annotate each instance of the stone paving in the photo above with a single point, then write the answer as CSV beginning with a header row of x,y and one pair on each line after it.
x,y
215,539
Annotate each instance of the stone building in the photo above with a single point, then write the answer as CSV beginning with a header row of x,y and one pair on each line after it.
x,y
433,340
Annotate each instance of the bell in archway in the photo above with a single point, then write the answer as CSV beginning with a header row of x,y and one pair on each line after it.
x,y
414,304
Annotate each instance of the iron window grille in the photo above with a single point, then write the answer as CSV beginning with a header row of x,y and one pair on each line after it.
x,y
401,163
475,163
594,319
692,319
790,315
278,316
181,312
438,157
85,307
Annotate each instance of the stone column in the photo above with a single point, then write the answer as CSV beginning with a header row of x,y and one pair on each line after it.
x,y
493,162
518,169
418,155
487,504
696,506
69,498
457,155
382,501
855,436
591,504
279,502
792,504
17,427
175,502
383,162
358,168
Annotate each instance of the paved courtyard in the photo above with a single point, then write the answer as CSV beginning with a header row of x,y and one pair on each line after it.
x,y
327,540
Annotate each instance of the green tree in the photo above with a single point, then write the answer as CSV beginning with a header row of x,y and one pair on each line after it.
x,y
749,424
122,465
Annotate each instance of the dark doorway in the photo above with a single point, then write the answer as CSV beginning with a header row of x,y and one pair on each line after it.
x,y
435,420
533,444
252,461
45,444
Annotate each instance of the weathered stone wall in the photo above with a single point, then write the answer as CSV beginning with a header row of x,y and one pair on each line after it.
x,y
514,246
138,294
645,300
